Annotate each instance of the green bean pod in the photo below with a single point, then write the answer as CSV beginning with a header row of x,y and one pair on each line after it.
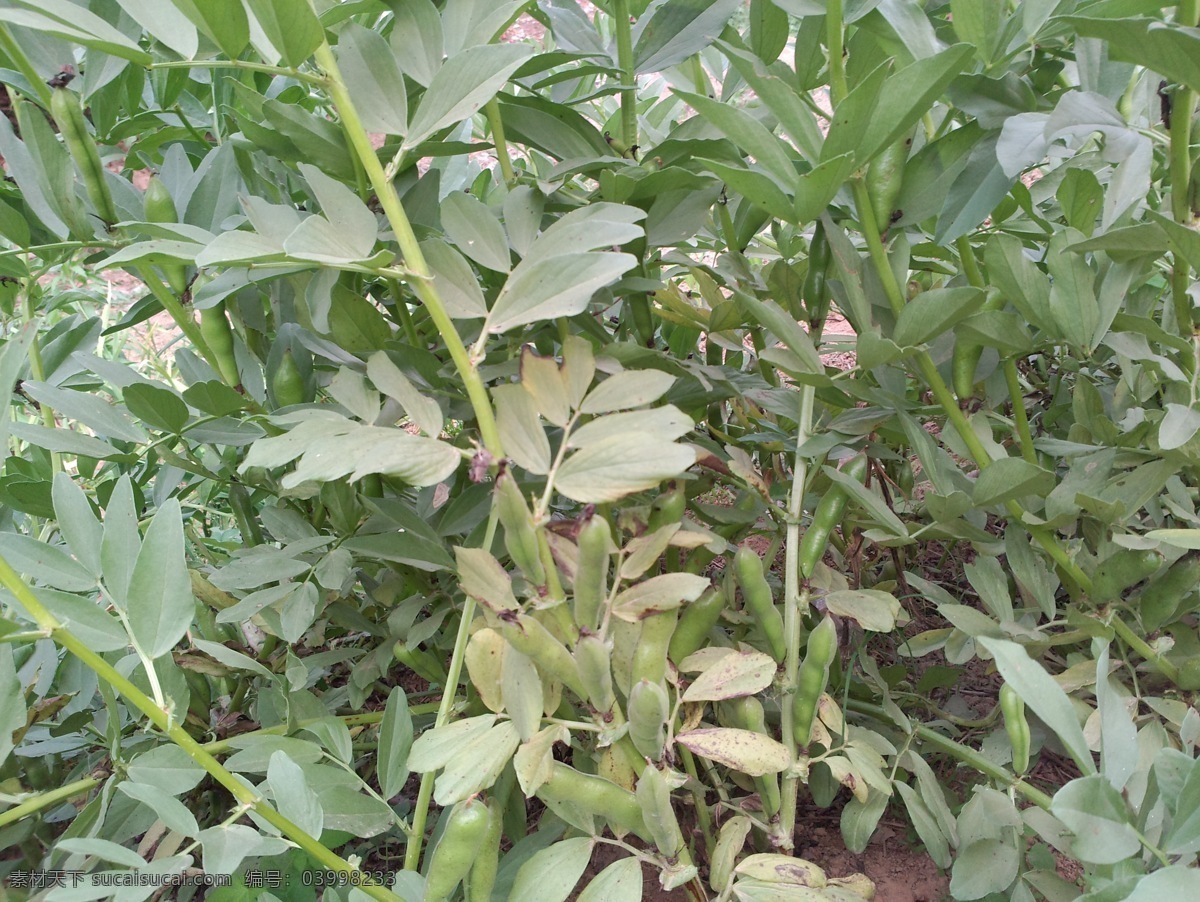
x,y
520,533
649,708
215,328
885,178
1016,726
594,660
756,594
650,656
967,354
814,290
482,877
159,206
529,636
287,382
591,572
812,679
596,795
655,798
827,515
747,714
455,852
668,507
695,623
67,109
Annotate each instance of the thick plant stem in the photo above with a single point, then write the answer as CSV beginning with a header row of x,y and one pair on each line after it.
x,y
793,601
1183,106
410,250
624,32
966,755
1138,644
945,397
243,794
496,124
46,799
412,852
835,43
1020,418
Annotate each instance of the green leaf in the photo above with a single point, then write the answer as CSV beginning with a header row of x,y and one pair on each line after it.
x,y
454,280
747,133
784,327
615,466
936,844
551,874
291,26
166,23
1011,477
49,564
873,610
520,428
1043,695
983,867
659,593
226,846
1179,424
476,764
631,388
1175,882
670,31
159,602
224,21
417,39
873,504
482,577
421,409
750,753
462,86
667,422
75,23
1023,285
373,79
554,287
88,620
395,742
733,675
89,409
293,797
345,233
1099,817
77,522
933,312
157,407
621,881
167,767
1167,49
12,702
476,231
13,358
167,809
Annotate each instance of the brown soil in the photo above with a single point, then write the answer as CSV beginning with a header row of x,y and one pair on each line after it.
x,y
900,872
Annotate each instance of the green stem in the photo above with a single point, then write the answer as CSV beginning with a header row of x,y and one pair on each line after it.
x,y
835,43
942,394
410,250
46,799
496,124
18,58
1020,417
412,852
182,318
37,369
243,794
957,750
1183,106
1139,645
624,31
793,601
307,77
403,314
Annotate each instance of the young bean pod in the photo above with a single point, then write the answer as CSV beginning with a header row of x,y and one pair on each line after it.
x,y
520,534
1016,726
695,623
814,291
649,707
455,852
827,515
159,206
594,660
67,109
967,354
747,714
812,679
595,795
482,878
215,328
529,636
756,594
287,383
591,572
885,178
650,657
